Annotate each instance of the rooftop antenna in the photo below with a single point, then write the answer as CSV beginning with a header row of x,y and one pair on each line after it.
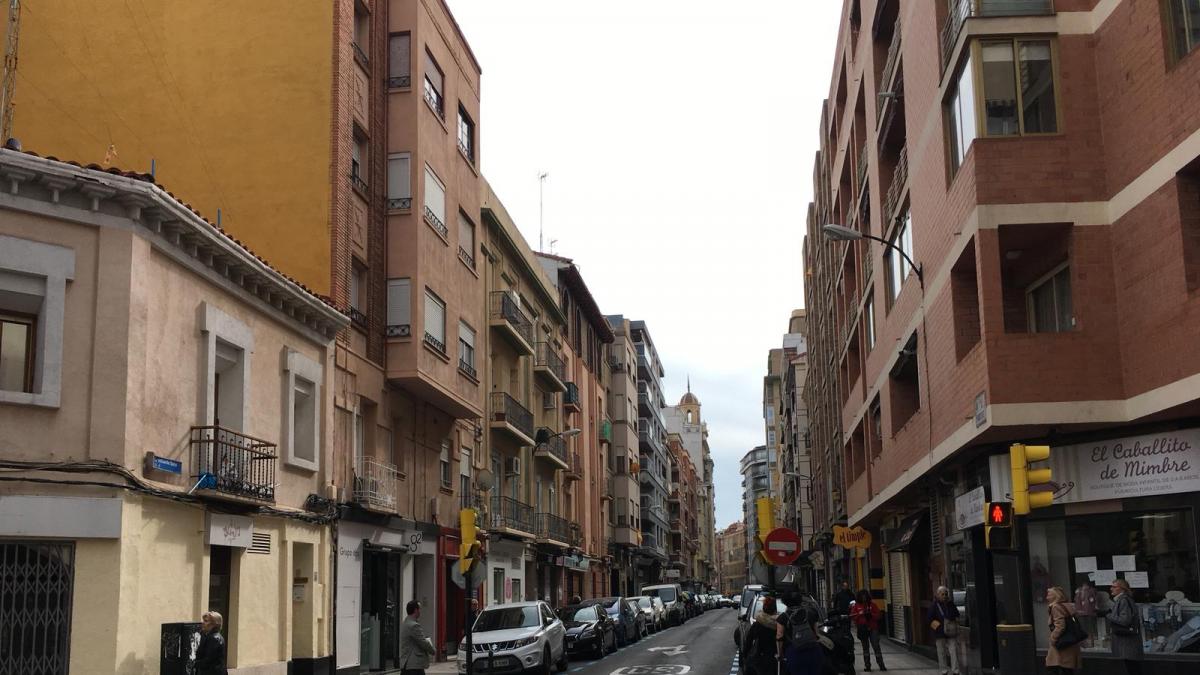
x,y
541,208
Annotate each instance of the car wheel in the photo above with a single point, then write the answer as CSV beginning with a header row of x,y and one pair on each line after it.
x,y
563,663
544,668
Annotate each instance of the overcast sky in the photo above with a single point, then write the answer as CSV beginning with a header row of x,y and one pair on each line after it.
x,y
679,137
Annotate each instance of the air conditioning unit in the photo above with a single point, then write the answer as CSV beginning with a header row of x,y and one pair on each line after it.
x,y
512,466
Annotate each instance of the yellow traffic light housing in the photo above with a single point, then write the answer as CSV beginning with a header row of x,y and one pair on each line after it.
x,y
998,526
1023,477
468,551
765,507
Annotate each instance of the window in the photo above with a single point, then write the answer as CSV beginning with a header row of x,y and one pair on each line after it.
x,y
1184,26
904,391
1049,302
960,116
358,161
399,309
466,134
399,61
17,352
466,240
869,322
464,472
897,265
435,321
435,203
362,33
399,181
228,344
548,400
434,86
444,463
1018,87
466,348
302,380
358,286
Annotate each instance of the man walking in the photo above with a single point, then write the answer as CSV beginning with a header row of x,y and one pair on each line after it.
x,y
415,648
843,598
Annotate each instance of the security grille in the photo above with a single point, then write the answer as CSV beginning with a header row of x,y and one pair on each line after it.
x,y
898,594
36,579
935,523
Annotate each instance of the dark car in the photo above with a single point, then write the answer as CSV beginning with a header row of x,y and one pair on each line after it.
x,y
589,630
640,623
690,608
624,617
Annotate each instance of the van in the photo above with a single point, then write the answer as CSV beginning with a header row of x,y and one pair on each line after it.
x,y
672,598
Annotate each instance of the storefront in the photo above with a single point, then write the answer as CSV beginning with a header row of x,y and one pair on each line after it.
x,y
1125,508
506,571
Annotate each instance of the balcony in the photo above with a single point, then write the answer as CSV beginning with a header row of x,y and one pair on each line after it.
x,y
575,535
606,431
610,485
552,529
361,56
554,450
375,485
232,463
624,532
965,9
399,203
899,182
574,466
399,82
506,316
892,60
509,416
861,169
571,398
436,223
358,183
513,517
466,257
550,367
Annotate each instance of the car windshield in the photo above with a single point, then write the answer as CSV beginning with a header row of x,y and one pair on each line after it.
x,y
665,594
748,597
645,603
506,618
578,614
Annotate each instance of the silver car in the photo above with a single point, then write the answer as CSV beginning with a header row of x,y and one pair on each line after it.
x,y
654,610
516,638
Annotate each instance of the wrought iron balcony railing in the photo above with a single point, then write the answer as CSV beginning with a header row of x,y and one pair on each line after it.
x,y
467,257
606,431
899,181
467,369
435,343
375,484
556,447
435,222
503,306
399,82
550,526
575,535
358,182
571,396
435,100
509,513
893,59
360,55
399,203
505,408
961,10
229,461
358,316
549,359
574,466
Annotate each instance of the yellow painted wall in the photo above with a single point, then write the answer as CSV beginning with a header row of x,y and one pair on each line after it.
x,y
231,98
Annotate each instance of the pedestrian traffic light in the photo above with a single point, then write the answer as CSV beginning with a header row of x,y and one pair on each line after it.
x,y
469,549
1020,457
998,526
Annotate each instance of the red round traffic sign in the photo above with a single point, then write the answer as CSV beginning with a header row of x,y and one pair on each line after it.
x,y
782,546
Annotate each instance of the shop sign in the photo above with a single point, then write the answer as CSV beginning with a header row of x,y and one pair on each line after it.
x,y
851,537
1134,466
671,574
968,508
980,409
227,530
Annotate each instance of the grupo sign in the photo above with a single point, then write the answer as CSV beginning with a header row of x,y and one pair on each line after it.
x,y
1136,466
851,537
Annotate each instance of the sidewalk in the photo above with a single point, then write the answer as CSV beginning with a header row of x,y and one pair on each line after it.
x,y
443,668
897,659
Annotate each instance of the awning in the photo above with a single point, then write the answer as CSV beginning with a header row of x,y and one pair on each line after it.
x,y
903,538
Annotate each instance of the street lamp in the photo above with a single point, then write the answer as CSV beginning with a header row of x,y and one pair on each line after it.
x,y
544,435
841,233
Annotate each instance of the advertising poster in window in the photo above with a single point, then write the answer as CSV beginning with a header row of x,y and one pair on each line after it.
x,y
1136,466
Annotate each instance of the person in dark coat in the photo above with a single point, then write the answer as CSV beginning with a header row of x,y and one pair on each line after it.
x,y
761,655
210,655
943,621
800,659
1125,626
843,598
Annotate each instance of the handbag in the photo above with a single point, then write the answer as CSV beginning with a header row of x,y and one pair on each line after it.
x,y
1072,634
949,626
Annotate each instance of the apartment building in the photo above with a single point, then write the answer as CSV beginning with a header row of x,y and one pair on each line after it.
x,y
1029,159
683,542
795,460
166,404
686,421
625,466
650,559
731,542
756,469
772,406
588,495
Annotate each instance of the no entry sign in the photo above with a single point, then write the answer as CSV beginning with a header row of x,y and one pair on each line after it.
x,y
782,546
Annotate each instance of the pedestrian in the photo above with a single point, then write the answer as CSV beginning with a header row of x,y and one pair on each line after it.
x,y
415,648
943,620
796,637
210,654
843,598
1086,604
866,616
1125,624
576,600
1064,660
760,653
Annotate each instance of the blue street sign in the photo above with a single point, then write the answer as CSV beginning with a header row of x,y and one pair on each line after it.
x,y
168,465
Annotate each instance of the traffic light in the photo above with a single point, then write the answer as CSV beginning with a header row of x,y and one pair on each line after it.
x,y
468,551
765,507
1023,477
998,526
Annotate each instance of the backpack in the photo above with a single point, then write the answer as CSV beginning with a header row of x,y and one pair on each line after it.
x,y
800,630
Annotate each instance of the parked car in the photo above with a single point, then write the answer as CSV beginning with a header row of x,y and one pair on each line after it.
x,y
749,592
672,598
689,604
625,618
653,610
589,629
519,637
639,619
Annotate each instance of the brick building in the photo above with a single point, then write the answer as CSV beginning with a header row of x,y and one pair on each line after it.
x,y
1040,163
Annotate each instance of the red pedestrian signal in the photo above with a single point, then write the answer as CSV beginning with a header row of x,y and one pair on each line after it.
x,y
1001,515
998,530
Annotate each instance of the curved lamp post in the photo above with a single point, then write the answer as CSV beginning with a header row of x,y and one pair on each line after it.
x,y
841,233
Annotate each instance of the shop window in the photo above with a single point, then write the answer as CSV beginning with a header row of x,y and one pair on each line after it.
x,y
1153,550
964,291
1035,278
904,392
1183,26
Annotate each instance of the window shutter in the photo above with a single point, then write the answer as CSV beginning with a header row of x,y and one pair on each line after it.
x,y
399,56
399,309
466,334
435,195
433,73
435,317
399,177
466,233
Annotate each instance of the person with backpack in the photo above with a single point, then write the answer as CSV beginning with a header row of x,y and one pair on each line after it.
x,y
866,616
796,637
760,653
943,620
1062,658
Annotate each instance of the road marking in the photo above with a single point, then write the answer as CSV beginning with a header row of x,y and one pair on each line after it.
x,y
672,651
653,670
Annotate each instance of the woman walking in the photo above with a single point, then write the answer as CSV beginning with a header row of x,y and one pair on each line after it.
x,y
210,654
1064,660
866,616
943,620
761,655
1125,624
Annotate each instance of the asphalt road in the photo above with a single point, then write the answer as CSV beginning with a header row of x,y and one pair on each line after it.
x,y
702,646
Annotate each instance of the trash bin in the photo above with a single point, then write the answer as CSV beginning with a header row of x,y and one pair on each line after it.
x,y
1017,651
179,644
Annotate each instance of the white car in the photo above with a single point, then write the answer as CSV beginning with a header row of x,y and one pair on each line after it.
x,y
516,637
654,611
